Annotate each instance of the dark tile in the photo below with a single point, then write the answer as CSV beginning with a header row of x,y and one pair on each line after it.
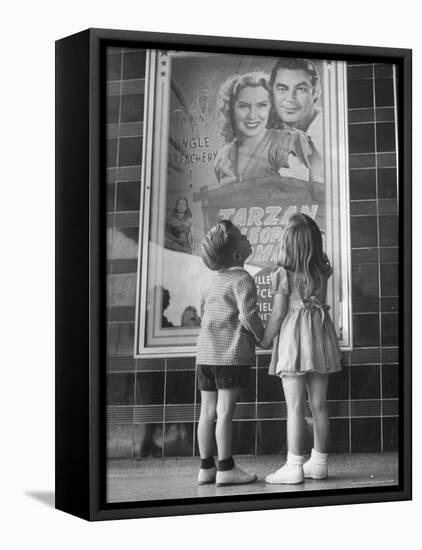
x,y
384,92
365,382
134,65
360,94
130,151
339,441
390,381
386,159
364,231
264,360
150,364
366,330
132,107
120,389
271,437
111,190
114,66
149,388
338,387
148,440
120,339
111,154
387,183
248,394
366,435
389,304
390,329
362,184
389,279
244,434
178,439
361,138
128,193
367,304
390,428
361,115
383,70
180,387
363,208
113,104
385,114
389,255
119,441
181,363
362,161
365,256
365,280
270,388
387,207
388,227
386,137
112,339
359,71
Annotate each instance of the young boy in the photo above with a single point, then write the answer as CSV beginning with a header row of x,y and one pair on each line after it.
x,y
230,329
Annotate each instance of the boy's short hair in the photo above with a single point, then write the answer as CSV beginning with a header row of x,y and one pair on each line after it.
x,y
217,247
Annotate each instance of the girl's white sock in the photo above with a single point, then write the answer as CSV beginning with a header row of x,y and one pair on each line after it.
x,y
318,458
296,460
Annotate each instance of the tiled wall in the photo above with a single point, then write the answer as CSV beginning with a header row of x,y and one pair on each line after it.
x,y
152,404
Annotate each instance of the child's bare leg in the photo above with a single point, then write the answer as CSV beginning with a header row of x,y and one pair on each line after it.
x,y
227,472
206,423
292,472
317,385
294,391
226,404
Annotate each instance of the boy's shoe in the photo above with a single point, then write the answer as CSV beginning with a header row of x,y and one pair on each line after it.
x,y
289,474
235,476
315,471
206,475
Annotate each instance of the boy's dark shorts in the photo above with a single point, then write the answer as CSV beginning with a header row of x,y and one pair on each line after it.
x,y
220,377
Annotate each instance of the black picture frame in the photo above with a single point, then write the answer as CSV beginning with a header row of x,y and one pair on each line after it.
x,y
81,267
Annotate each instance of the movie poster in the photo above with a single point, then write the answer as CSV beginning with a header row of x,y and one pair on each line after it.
x,y
250,139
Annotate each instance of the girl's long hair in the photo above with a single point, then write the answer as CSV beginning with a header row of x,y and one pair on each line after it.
x,y
301,252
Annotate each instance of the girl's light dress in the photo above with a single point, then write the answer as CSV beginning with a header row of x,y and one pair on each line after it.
x,y
307,341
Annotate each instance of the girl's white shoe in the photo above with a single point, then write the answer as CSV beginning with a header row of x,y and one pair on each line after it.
x,y
289,474
315,471
317,466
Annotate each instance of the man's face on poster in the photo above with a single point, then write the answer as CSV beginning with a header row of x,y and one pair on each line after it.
x,y
294,97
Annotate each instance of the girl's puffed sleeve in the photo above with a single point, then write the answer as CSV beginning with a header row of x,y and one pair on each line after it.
x,y
280,281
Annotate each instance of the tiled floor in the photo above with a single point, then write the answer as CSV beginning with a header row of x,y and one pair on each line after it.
x,y
156,479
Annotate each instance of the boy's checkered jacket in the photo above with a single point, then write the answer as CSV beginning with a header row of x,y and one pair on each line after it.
x,y
230,325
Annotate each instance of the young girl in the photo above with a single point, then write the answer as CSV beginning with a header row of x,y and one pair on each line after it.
x,y
305,349
230,329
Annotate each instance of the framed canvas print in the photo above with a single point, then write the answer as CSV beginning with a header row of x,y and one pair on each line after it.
x,y
233,274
